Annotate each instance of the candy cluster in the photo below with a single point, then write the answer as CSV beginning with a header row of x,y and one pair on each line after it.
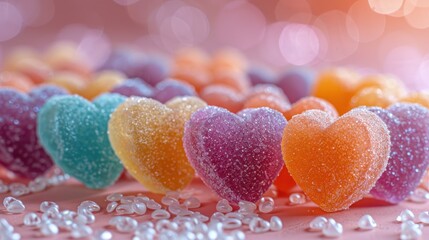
x,y
337,134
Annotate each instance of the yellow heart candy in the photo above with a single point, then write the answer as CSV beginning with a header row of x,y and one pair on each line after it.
x,y
147,136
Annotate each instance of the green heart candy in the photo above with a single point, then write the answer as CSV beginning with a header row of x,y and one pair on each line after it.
x,y
74,133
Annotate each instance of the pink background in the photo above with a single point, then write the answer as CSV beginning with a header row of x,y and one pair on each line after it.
x,y
386,36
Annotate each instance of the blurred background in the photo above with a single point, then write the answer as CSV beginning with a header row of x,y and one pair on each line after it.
x,y
383,36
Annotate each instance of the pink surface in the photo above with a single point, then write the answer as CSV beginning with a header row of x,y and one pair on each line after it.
x,y
295,218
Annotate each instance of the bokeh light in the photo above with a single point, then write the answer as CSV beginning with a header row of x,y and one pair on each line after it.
x,y
367,35
269,48
299,44
370,25
239,24
293,11
11,21
404,62
385,6
336,27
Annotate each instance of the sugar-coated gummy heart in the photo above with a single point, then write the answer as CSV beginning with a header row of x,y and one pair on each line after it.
x,y
337,86
409,155
296,83
163,91
336,162
223,96
74,132
421,98
20,150
238,156
147,137
259,75
285,182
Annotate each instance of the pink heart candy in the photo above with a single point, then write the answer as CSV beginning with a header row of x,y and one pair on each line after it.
x,y
20,150
409,155
238,156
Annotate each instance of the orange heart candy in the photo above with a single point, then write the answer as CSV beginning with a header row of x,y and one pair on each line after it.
x,y
421,98
374,97
147,136
336,161
223,96
284,181
16,81
103,82
337,86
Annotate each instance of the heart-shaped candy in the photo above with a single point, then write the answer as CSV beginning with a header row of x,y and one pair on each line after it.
x,y
409,156
74,132
20,150
238,156
336,161
147,137
163,91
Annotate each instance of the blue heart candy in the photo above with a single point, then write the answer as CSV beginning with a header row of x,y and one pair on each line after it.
x,y
74,133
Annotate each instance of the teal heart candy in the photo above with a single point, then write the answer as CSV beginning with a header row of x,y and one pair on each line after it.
x,y
74,133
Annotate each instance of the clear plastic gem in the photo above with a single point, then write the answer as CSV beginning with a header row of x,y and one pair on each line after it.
x,y
259,225
246,206
175,208
18,189
31,220
266,205
192,202
160,214
153,205
81,231
367,222
424,217
45,205
90,205
114,197
332,229
231,223
124,224
164,224
238,235
37,185
223,206
111,207
167,200
420,195
13,205
297,198
124,209
405,215
48,229
276,224
318,223
5,226
173,194
127,199
410,230
102,235
139,208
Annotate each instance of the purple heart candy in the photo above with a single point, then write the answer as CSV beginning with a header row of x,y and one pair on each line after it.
x,y
238,156
296,83
163,92
409,156
20,150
